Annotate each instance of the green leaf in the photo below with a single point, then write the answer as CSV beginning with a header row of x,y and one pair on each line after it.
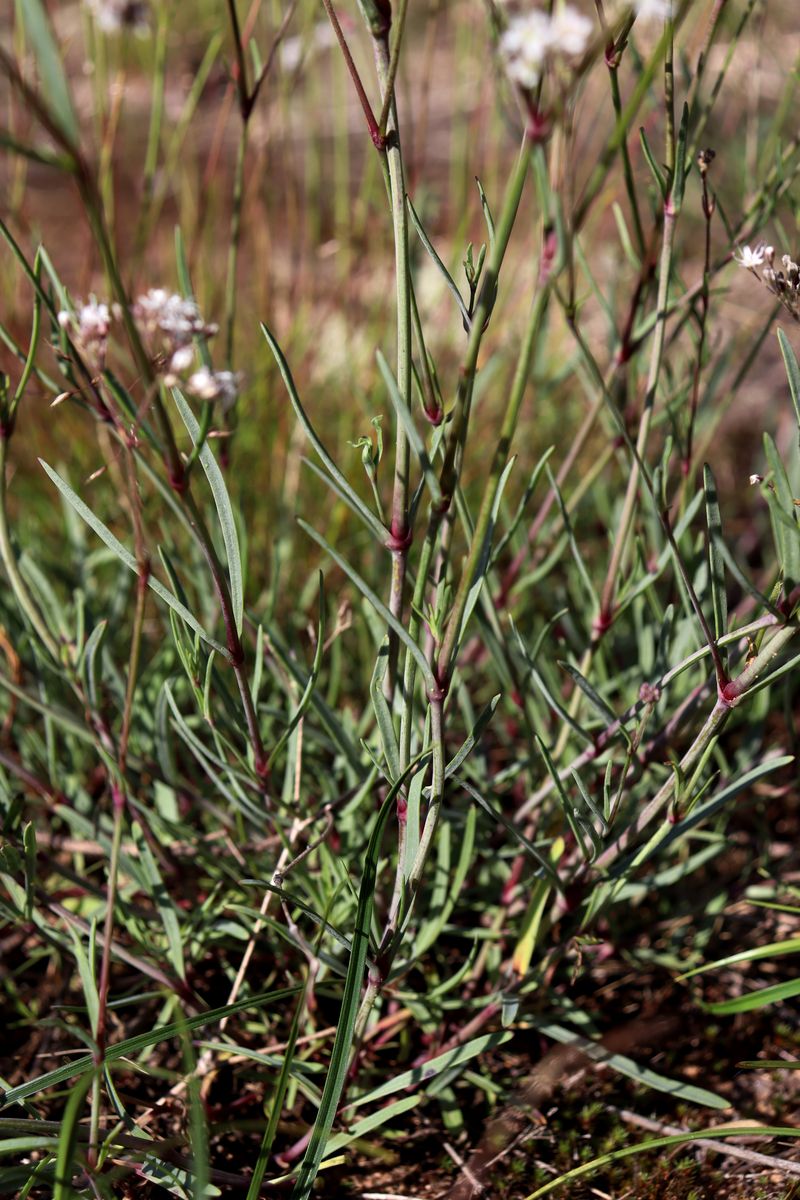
x,y
311,683
162,1033
113,543
383,715
406,419
87,977
716,561
443,271
51,69
681,168
161,898
678,1139
484,560
337,1070
758,999
658,174
487,213
516,833
784,516
366,1125
772,950
68,1141
344,488
792,372
418,1076
471,742
222,502
631,1070
607,714
254,1190
380,608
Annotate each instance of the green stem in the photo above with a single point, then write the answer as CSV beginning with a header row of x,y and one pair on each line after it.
x,y
629,505
447,653
400,532
733,694
233,247
101,1033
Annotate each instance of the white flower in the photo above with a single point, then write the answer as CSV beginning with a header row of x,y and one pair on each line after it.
x,y
214,385
750,258
175,317
182,360
90,324
570,31
653,10
112,16
524,46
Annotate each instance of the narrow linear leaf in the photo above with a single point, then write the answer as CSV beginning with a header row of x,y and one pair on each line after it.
x,y
51,69
68,1141
443,271
113,543
792,372
337,1071
678,1139
383,715
412,433
344,488
597,702
222,503
377,604
475,736
758,999
716,561
418,1076
162,1033
772,950
308,690
631,1070
259,1170
516,833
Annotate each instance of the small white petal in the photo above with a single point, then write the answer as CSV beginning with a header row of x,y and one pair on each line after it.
x,y
750,259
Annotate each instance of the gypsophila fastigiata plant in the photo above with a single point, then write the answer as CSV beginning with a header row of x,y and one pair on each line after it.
x,y
392,647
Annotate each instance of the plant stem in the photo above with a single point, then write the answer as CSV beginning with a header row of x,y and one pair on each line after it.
x,y
233,244
716,719
450,642
101,1034
400,531
618,554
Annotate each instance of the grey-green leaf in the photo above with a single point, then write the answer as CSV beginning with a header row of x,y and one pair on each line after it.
x,y
222,502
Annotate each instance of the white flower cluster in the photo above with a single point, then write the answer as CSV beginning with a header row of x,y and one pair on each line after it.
x,y
785,284
532,38
221,386
169,324
89,325
114,16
